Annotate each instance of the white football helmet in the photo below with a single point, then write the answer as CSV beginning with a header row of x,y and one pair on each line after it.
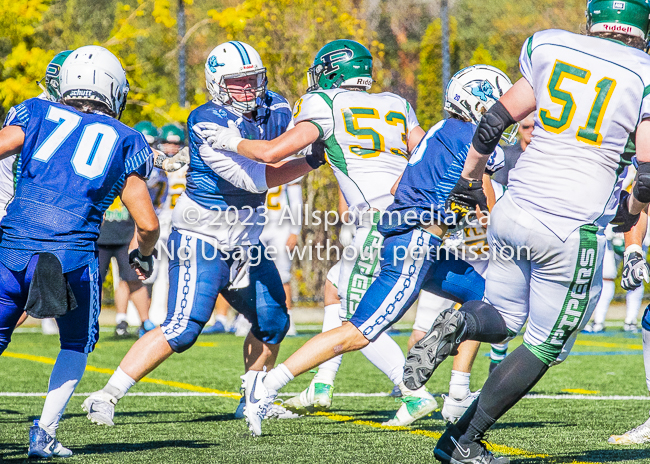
x,y
93,73
473,90
231,60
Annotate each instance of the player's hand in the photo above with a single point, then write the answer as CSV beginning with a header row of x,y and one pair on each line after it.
x,y
176,162
465,197
635,268
143,265
316,158
219,137
624,221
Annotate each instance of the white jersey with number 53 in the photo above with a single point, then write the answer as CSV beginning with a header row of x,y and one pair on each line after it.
x,y
366,138
591,93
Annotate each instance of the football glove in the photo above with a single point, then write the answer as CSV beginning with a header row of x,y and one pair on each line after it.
x,y
465,197
624,221
316,158
174,163
145,263
219,137
635,268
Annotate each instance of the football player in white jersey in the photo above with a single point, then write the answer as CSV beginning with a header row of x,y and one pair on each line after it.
x,y
589,93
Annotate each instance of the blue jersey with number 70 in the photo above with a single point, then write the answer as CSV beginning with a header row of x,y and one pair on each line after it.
x,y
71,168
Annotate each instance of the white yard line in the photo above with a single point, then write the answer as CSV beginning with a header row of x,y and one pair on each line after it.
x,y
354,395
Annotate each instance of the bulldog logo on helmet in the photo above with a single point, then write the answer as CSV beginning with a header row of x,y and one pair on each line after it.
x,y
483,90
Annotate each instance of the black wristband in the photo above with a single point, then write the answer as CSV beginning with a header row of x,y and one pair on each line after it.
x,y
490,128
158,160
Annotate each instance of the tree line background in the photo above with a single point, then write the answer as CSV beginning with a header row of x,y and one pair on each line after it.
x,y
404,38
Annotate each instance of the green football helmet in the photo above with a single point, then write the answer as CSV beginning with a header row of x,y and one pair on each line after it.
x,y
149,131
631,17
341,63
171,133
52,73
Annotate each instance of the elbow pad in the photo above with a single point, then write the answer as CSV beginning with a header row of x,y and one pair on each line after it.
x,y
641,189
490,128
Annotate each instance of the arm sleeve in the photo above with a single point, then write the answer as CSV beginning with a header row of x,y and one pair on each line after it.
x,y
525,61
315,108
240,171
294,195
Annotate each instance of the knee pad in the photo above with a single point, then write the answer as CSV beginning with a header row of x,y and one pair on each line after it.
x,y
186,339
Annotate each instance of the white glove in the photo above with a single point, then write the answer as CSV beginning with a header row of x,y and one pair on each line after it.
x,y
219,137
635,268
180,159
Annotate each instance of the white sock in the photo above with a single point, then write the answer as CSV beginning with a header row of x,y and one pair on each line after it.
x,y
331,321
633,299
499,351
222,319
119,384
324,376
66,374
603,303
646,356
459,385
119,317
387,356
420,392
277,378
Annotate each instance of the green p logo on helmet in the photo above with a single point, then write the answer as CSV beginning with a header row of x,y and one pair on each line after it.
x,y
171,133
341,63
52,74
630,17
149,131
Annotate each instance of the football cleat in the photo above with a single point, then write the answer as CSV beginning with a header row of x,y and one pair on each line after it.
x,y
449,451
100,407
594,327
122,330
258,400
453,409
395,392
216,328
632,327
145,327
276,411
44,445
412,409
636,436
440,341
316,397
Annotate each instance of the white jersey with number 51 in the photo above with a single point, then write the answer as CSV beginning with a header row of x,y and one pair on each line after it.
x,y
365,136
591,94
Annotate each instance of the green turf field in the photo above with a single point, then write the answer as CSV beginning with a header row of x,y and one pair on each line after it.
x,y
198,429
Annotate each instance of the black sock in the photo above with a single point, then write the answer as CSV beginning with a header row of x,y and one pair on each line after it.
x,y
506,385
483,322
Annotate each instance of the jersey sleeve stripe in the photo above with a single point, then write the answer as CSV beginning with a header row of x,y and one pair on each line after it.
x,y
327,99
138,160
646,91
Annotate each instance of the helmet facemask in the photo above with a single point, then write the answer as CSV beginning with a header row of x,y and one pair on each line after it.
x,y
253,96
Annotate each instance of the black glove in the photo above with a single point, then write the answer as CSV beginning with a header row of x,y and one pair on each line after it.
x,y
145,263
317,156
465,197
624,221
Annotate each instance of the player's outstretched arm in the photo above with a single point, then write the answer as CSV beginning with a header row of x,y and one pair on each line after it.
x,y
286,171
135,197
11,141
263,151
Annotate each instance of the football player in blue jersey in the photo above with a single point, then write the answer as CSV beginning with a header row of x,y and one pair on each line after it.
x,y
214,245
75,158
413,227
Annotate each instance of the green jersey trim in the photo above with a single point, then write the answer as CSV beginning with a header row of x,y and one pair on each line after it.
x,y
327,99
335,154
576,300
529,46
646,91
